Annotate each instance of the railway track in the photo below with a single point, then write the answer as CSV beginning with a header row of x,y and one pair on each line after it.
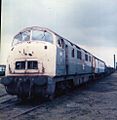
x,y
8,102
2,95
5,97
16,108
8,105
25,112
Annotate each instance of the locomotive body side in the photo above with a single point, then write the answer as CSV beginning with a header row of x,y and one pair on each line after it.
x,y
72,60
76,64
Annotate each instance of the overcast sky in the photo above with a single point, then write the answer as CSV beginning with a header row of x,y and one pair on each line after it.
x,y
92,24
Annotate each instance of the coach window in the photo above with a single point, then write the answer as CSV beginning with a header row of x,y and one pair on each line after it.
x,y
73,53
86,57
79,56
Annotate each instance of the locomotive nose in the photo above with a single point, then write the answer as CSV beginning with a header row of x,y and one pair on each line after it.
x,y
28,59
26,50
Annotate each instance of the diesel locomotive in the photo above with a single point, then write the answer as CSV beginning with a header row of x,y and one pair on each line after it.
x,y
41,61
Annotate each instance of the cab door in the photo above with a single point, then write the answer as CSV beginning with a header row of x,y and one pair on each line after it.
x,y
66,59
61,57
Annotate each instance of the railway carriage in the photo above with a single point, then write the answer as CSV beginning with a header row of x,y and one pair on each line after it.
x,y
41,61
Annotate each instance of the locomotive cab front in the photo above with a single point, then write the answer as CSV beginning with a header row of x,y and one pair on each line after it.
x,y
30,65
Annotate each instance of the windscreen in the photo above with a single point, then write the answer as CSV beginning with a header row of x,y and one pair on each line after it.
x,y
42,36
33,35
21,37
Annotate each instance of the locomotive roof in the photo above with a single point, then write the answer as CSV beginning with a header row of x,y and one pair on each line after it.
x,y
37,28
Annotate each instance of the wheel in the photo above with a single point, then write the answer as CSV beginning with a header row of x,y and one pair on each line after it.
x,y
22,98
51,97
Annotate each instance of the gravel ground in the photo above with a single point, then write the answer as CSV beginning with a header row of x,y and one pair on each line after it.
x,y
2,89
96,102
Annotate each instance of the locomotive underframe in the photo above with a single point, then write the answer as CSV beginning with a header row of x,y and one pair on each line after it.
x,y
30,86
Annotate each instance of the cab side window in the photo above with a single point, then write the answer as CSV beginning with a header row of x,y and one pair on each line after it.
x,y
61,43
